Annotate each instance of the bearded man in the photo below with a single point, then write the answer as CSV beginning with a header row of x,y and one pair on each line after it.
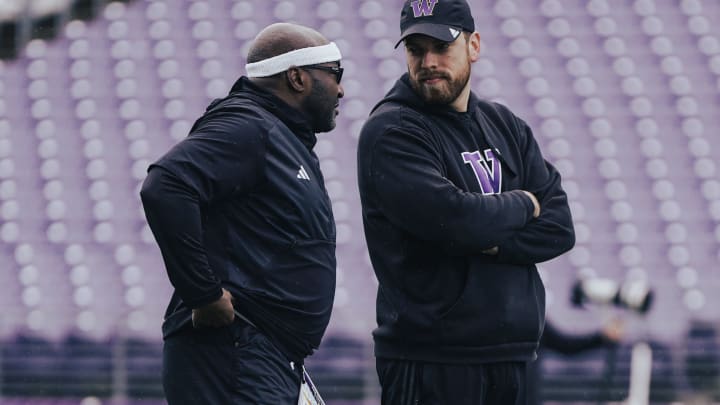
x,y
458,206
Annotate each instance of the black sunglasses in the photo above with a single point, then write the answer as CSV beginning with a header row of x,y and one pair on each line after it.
x,y
336,70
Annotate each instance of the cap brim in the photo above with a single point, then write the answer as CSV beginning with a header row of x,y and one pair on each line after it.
x,y
438,31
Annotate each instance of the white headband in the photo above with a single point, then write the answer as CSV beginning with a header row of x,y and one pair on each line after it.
x,y
299,57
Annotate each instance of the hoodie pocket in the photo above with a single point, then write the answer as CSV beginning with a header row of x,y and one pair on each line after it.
x,y
500,305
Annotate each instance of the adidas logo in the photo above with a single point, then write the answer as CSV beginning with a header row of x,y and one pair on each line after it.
x,y
454,32
302,174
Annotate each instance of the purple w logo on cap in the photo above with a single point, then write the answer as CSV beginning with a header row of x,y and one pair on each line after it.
x,y
423,8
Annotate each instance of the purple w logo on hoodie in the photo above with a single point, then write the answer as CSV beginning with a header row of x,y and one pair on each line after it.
x,y
487,170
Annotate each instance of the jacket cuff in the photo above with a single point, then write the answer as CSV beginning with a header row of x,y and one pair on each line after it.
x,y
202,300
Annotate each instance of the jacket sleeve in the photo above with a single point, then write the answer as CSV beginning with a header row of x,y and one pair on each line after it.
x,y
402,172
552,233
198,171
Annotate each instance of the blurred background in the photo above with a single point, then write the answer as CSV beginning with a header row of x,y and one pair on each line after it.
x,y
623,97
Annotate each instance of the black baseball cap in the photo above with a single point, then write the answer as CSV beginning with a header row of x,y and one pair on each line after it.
x,y
440,19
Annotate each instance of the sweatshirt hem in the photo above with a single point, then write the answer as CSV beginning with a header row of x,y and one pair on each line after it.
x,y
522,351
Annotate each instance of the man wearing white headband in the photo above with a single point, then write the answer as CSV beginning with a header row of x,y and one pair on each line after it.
x,y
245,227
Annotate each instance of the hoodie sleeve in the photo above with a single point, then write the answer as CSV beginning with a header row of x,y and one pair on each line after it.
x,y
198,171
401,172
552,233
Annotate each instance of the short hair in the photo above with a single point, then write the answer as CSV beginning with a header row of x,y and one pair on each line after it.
x,y
260,52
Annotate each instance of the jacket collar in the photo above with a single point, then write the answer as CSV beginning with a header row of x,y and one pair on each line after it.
x,y
295,120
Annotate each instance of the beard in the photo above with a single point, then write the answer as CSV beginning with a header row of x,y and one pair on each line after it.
x,y
320,107
442,92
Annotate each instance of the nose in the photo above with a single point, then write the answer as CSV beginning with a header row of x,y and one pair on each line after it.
x,y
341,91
429,60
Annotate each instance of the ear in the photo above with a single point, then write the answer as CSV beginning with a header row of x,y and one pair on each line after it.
x,y
295,80
473,44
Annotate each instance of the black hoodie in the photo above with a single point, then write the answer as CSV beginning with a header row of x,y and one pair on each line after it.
x,y
241,204
438,188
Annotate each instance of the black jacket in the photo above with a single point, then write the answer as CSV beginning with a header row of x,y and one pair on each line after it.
x,y
433,200
241,204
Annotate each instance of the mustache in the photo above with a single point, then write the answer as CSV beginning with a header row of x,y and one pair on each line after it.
x,y
425,75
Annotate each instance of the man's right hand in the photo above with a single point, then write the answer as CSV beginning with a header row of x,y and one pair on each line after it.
x,y
215,314
536,204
